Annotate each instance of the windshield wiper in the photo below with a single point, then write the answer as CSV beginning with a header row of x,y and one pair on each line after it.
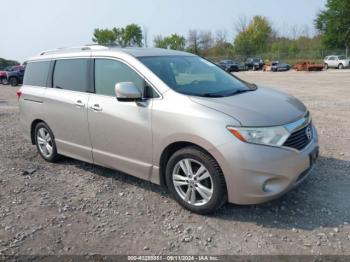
x,y
211,95
238,92
227,94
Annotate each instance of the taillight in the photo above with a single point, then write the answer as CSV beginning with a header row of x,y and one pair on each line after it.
x,y
18,93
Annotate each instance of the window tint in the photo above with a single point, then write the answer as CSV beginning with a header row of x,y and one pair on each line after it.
x,y
71,74
110,72
36,73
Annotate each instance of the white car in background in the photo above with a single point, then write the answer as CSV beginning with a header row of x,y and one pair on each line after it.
x,y
335,61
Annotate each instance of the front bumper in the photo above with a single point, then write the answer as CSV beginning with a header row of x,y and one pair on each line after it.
x,y
257,173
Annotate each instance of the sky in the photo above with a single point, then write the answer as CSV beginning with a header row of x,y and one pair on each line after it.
x,y
39,25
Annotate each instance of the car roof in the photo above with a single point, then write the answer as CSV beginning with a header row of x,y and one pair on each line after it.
x,y
141,52
96,49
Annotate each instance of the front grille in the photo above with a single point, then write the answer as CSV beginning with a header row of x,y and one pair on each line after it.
x,y
299,139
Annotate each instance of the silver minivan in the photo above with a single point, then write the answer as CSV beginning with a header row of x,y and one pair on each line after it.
x,y
171,118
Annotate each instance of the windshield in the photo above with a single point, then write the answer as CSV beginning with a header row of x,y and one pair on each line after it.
x,y
192,75
342,57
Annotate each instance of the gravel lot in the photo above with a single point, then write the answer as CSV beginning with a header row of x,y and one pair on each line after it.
x,y
77,208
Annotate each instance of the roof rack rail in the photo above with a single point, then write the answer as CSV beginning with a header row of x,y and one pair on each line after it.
x,y
74,49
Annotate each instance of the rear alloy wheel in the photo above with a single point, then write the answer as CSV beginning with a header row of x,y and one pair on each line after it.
x,y
196,181
13,81
45,143
341,66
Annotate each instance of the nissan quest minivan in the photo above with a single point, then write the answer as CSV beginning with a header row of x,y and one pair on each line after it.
x,y
171,118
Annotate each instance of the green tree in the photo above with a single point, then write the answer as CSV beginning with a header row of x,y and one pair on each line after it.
x,y
159,42
119,36
5,63
131,35
334,24
104,36
175,42
255,37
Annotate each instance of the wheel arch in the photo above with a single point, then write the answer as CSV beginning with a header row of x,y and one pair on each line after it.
x,y
170,149
32,129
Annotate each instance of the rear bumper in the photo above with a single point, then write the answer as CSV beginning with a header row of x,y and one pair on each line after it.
x,y
256,173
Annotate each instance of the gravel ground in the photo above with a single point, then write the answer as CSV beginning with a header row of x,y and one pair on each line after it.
x,y
77,208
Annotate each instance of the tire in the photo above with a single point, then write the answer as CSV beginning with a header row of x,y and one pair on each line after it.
x,y
13,81
208,185
40,133
340,66
326,66
4,81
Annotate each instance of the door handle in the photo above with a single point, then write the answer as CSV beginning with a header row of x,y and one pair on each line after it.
x,y
79,103
96,107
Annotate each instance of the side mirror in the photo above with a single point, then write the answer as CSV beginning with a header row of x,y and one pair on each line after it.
x,y
127,91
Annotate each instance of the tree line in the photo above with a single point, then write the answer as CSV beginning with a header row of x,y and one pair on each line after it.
x,y
6,63
255,36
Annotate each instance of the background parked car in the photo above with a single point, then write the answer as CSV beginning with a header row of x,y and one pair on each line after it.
x,y
335,61
15,72
229,65
15,76
277,66
3,77
254,64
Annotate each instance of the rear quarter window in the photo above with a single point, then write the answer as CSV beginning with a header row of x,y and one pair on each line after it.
x,y
36,73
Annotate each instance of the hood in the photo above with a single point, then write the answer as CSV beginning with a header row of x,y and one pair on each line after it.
x,y
263,107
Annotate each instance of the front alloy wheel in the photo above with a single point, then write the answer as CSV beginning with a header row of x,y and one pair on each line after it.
x,y
195,180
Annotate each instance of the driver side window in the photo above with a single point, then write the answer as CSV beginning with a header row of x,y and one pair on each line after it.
x,y
109,72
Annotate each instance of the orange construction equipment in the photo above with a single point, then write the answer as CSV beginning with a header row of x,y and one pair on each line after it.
x,y
308,66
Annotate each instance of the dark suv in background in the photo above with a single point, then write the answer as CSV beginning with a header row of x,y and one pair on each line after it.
x,y
12,75
254,64
229,65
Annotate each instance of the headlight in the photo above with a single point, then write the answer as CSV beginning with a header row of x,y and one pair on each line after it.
x,y
274,136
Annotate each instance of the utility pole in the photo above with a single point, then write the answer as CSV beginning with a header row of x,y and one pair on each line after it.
x,y
145,36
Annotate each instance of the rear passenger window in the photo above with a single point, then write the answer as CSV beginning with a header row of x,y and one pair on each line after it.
x,y
71,74
110,72
36,73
